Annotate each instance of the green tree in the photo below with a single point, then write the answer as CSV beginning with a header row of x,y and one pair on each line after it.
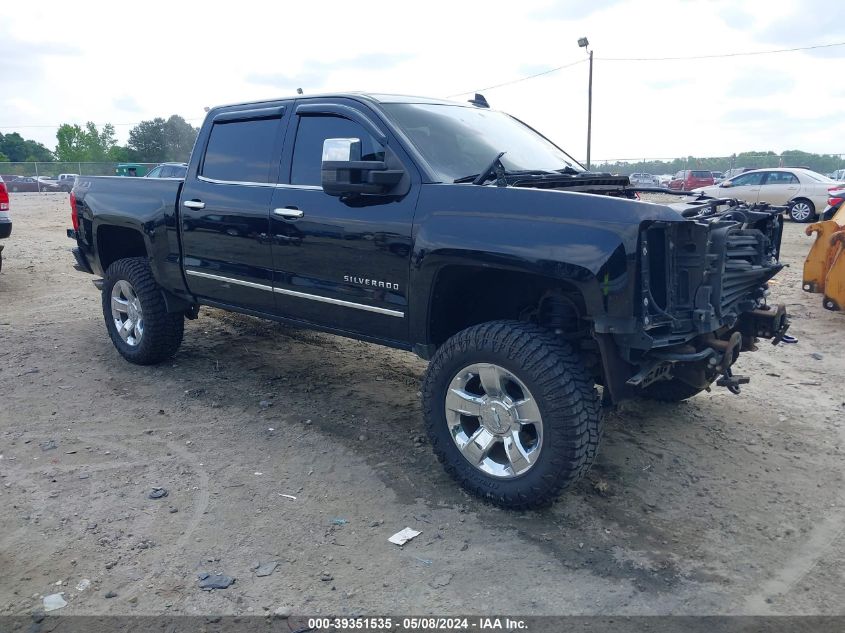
x,y
71,145
3,158
179,137
88,144
17,149
147,140
159,140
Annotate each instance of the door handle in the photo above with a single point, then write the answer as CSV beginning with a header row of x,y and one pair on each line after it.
x,y
194,204
289,212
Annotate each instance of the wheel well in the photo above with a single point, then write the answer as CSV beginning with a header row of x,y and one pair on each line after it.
x,y
803,199
117,242
468,295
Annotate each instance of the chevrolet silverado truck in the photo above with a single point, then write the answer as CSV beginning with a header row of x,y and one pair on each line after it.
x,y
454,231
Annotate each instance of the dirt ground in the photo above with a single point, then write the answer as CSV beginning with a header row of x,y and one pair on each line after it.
x,y
722,505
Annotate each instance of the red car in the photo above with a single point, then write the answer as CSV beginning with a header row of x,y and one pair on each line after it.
x,y
689,179
5,221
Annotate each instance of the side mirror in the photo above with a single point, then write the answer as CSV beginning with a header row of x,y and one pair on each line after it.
x,y
726,183
343,172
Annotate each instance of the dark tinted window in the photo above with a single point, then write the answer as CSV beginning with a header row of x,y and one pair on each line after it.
x,y
702,174
241,150
308,149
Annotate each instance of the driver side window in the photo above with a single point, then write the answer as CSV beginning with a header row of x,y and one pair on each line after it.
x,y
746,180
308,147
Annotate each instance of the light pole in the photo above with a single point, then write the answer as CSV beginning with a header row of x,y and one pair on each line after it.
x,y
584,43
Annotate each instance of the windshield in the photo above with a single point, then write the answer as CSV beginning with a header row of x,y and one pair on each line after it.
x,y
461,141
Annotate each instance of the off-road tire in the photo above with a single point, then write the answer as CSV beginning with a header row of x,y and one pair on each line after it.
x,y
802,201
562,388
673,390
162,330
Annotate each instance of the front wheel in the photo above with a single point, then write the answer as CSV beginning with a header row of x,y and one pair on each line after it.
x,y
511,413
802,210
136,317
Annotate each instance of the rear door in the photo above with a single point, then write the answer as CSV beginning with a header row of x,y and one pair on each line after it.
x,y
341,263
225,209
779,187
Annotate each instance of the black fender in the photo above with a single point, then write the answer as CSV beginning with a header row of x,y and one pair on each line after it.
x,y
588,241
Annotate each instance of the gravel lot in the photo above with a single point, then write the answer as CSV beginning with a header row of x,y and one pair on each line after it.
x,y
723,504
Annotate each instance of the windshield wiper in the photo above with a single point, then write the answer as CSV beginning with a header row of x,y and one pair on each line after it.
x,y
569,170
495,168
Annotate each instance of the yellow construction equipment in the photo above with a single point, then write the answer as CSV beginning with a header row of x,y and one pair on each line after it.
x,y
824,268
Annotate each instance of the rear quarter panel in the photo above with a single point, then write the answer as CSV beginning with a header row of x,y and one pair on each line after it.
x,y
145,205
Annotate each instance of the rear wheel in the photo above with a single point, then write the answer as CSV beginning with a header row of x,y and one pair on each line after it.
x,y
136,317
511,413
802,210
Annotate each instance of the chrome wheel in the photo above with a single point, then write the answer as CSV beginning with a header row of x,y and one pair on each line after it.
x,y
494,420
126,313
800,211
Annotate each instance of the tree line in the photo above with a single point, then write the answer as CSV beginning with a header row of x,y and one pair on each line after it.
x,y
155,141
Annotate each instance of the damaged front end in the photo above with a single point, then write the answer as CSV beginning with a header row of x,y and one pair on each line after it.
x,y
702,291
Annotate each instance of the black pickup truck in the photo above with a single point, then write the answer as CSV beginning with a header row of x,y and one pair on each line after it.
x,y
454,231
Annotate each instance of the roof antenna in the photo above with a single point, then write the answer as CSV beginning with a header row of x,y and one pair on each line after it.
x,y
479,101
299,91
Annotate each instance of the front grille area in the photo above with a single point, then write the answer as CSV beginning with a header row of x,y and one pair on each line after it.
x,y
700,276
743,268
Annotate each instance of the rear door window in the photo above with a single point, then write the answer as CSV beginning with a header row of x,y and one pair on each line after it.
x,y
781,178
241,151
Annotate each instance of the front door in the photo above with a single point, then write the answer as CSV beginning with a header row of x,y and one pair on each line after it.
x,y
225,212
746,187
341,263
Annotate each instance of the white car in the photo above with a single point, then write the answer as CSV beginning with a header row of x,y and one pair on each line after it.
x,y
644,180
802,190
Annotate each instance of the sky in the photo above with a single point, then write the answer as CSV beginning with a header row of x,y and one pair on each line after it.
x,y
123,62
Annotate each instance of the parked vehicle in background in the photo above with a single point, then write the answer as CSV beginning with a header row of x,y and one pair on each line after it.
x,y
47,183
805,192
130,169
23,184
644,180
65,181
168,170
689,179
453,231
5,220
835,202
839,174
717,177
664,179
